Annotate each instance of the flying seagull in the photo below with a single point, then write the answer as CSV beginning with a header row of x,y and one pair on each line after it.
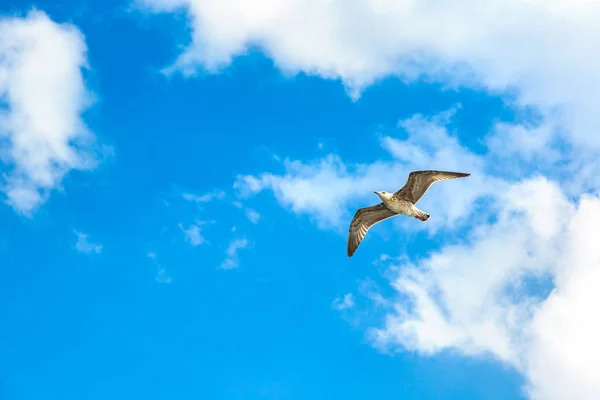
x,y
402,202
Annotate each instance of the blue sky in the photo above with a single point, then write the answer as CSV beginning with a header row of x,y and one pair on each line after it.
x,y
201,255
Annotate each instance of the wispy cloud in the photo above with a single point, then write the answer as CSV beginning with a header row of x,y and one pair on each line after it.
x,y
326,188
193,233
162,274
232,258
84,245
252,215
343,303
205,198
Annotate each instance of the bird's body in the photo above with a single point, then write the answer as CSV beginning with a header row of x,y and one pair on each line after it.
x,y
402,206
403,202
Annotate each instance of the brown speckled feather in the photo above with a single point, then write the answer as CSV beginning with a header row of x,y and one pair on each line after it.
x,y
363,220
419,181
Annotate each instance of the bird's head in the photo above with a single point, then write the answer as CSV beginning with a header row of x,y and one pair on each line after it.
x,y
383,195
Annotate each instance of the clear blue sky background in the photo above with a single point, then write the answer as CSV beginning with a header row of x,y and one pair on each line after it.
x,y
100,326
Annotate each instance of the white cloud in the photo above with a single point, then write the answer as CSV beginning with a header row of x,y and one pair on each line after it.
x,y
343,303
530,143
232,259
324,189
84,245
42,97
470,296
193,233
545,51
162,274
474,297
252,215
205,198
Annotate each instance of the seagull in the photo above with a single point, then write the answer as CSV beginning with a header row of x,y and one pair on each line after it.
x,y
402,202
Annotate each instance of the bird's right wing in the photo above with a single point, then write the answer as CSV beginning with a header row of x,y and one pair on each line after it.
x,y
419,181
363,220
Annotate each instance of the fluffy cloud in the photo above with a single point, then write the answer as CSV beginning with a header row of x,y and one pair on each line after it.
x,y
475,296
42,96
488,293
542,50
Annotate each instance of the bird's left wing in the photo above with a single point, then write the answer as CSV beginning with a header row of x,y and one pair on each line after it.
x,y
363,220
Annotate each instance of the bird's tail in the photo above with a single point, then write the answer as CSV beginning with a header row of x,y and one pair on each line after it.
x,y
422,216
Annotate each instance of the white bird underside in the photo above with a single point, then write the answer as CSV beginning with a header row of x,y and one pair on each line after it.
x,y
400,203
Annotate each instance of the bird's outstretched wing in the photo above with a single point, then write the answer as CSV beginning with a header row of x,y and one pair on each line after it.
x,y
364,219
419,181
